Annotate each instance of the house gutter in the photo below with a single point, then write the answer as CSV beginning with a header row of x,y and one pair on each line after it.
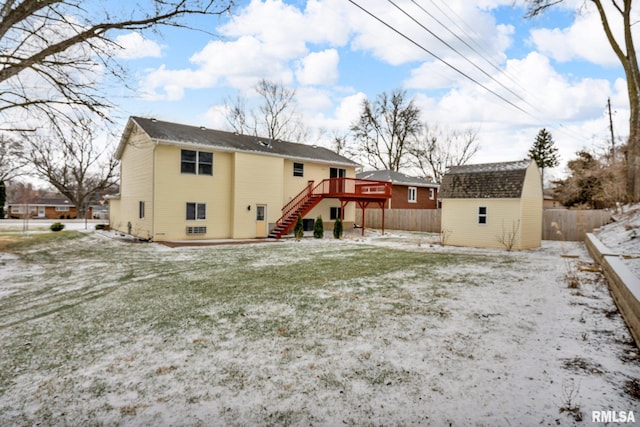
x,y
260,153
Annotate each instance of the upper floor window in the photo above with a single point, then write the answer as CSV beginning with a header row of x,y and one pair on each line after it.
x,y
298,169
413,194
196,162
432,194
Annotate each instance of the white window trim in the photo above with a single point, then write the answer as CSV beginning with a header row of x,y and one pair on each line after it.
x,y
413,191
432,193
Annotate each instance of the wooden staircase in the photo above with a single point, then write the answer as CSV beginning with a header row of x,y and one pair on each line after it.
x,y
299,206
346,190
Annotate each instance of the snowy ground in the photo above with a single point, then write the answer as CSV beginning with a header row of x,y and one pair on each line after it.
x,y
380,330
623,236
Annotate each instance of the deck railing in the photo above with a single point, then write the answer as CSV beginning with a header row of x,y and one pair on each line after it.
x,y
353,187
350,188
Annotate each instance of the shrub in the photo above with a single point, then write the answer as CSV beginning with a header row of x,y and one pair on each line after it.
x,y
337,229
57,226
318,228
102,227
298,230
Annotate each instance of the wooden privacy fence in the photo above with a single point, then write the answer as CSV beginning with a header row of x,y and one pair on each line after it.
x,y
572,225
557,224
425,220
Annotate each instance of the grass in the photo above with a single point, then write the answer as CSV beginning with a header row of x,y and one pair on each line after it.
x,y
94,331
84,295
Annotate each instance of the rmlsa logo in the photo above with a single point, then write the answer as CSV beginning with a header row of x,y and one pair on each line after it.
x,y
612,417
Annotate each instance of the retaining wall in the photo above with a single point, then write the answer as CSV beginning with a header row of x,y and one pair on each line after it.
x,y
623,283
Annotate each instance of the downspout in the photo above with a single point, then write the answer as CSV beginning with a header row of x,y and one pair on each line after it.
x,y
153,192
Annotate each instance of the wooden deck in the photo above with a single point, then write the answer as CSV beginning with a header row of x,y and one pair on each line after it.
x,y
361,191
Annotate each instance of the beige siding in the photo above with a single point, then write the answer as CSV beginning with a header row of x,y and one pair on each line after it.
x,y
173,190
531,206
258,180
460,222
136,177
150,173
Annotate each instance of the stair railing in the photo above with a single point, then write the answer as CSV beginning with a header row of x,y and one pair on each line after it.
x,y
296,202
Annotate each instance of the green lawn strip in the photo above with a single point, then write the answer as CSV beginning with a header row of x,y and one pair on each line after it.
x,y
299,293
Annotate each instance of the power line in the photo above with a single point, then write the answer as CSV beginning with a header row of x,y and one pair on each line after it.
x,y
395,30
454,49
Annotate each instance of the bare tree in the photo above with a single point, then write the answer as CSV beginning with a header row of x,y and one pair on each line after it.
x,y
52,50
237,114
438,148
71,161
275,117
12,159
626,53
387,128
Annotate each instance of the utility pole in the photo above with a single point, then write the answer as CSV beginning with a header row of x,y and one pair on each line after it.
x,y
613,143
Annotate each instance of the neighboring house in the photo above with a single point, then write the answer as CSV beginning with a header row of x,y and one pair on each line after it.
x,y
45,208
550,200
407,192
180,182
492,205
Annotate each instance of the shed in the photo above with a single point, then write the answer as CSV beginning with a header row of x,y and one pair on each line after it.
x,y
492,205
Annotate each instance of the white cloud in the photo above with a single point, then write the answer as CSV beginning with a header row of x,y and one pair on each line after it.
x,y
134,46
583,40
318,68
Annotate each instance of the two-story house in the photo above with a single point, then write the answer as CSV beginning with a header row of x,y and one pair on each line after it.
x,y
180,182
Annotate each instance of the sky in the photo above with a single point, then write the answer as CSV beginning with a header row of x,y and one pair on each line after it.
x,y
477,65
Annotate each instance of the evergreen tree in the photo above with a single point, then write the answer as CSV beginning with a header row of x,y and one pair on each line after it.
x,y
318,228
3,198
298,230
544,152
337,229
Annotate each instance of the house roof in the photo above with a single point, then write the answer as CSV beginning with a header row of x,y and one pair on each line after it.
x,y
487,180
397,178
45,201
180,134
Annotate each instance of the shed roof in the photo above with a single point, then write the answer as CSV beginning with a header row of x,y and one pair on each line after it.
x,y
180,134
396,178
488,180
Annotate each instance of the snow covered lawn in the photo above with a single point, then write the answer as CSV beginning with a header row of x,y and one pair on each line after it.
x,y
384,330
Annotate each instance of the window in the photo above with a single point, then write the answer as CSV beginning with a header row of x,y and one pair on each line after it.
x,y
196,211
335,213
205,163
298,169
432,194
188,161
62,208
141,210
413,194
17,209
260,210
482,214
196,162
337,173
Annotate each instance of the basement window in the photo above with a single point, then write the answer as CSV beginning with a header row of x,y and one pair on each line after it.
x,y
482,214
335,213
